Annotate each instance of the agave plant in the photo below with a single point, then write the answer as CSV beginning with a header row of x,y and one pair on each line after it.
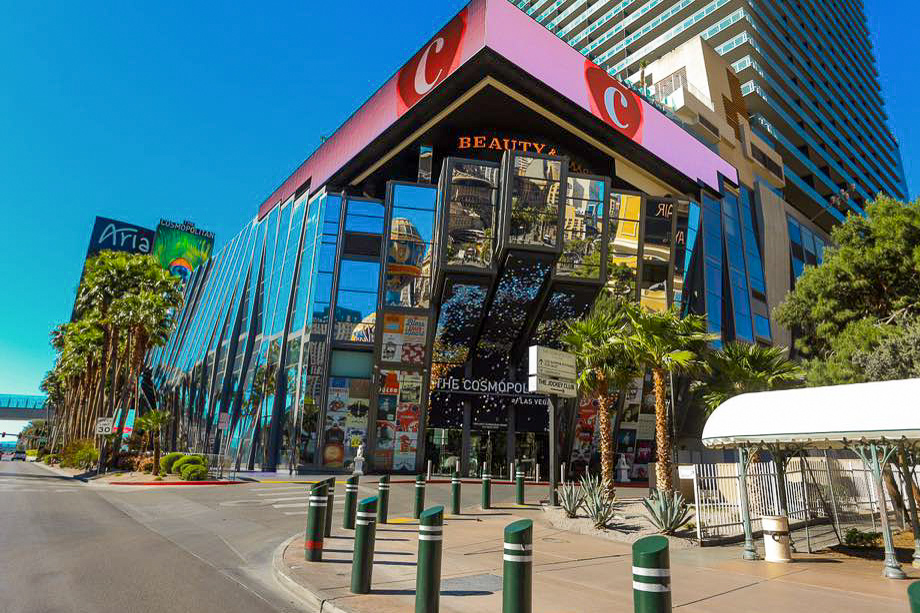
x,y
590,484
667,512
599,506
571,498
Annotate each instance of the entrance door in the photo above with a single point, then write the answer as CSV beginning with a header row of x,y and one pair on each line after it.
x,y
489,446
532,448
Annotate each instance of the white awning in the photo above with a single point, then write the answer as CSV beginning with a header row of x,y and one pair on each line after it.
x,y
818,417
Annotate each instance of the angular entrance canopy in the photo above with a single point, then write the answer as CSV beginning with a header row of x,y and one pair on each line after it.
x,y
819,417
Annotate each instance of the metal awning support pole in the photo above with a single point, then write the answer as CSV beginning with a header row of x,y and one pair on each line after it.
x,y
907,462
744,459
875,456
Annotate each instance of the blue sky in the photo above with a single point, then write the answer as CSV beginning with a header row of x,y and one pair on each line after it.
x,y
197,111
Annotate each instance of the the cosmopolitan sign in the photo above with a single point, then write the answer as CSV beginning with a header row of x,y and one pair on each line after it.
x,y
487,387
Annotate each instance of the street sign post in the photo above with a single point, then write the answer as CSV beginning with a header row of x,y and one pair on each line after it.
x,y
552,372
105,425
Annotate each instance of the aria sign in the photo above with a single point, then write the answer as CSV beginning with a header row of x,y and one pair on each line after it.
x,y
112,235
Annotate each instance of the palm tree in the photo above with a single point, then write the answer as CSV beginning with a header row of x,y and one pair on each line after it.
x,y
604,368
153,424
663,342
740,368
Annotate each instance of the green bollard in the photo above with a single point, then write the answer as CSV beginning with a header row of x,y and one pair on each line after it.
x,y
486,489
651,575
519,486
419,496
383,494
363,560
913,596
330,500
316,521
351,502
455,493
428,573
517,574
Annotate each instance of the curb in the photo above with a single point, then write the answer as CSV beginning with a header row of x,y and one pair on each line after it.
x,y
313,601
176,482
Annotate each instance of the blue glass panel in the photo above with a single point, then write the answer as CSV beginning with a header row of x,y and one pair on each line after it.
x,y
762,327
714,310
819,249
798,267
795,233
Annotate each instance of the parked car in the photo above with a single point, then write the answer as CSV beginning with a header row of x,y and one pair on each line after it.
x,y
19,455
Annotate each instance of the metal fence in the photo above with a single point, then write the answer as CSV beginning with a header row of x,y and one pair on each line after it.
x,y
825,496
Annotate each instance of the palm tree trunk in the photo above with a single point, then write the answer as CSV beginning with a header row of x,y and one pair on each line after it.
x,y
603,418
156,452
662,436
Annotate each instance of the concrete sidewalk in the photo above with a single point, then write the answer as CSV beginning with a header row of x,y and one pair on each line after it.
x,y
578,573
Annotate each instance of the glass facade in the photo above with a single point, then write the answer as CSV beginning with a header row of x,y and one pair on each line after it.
x,y
402,324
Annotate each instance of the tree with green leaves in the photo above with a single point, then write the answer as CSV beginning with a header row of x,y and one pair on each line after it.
x,y
869,280
605,369
125,306
154,423
740,368
666,343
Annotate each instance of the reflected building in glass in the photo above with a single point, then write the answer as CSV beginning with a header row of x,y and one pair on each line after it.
x,y
386,294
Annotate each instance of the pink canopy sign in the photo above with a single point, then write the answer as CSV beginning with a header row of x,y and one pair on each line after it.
x,y
512,34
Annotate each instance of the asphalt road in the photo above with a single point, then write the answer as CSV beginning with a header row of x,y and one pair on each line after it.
x,y
66,546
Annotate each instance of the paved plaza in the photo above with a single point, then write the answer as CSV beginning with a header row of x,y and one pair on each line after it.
x,y
578,573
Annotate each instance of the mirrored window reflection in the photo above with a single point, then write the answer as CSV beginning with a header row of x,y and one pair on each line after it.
x,y
681,228
537,168
471,215
356,301
712,264
536,195
409,248
656,254
623,248
737,270
582,229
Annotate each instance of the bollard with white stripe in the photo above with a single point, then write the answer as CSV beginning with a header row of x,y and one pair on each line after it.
x,y
428,573
330,500
351,502
362,563
455,493
517,571
383,502
419,496
486,502
316,522
519,486
651,570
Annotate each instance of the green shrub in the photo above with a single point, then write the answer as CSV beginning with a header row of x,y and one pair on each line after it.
x,y
667,513
855,537
32,453
598,506
79,454
194,472
186,460
571,498
167,461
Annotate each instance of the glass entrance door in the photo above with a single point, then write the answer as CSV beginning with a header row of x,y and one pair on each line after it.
x,y
532,448
489,446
